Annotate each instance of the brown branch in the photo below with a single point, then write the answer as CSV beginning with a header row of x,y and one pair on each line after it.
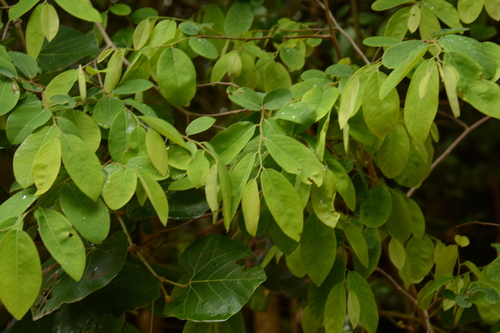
x,y
343,32
335,42
398,287
452,147
108,41
189,113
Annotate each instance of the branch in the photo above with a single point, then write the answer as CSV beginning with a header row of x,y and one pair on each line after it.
x,y
398,287
343,32
332,32
455,143
108,41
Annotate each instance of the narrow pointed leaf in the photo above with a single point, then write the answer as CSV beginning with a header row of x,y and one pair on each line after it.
x,y
357,241
250,204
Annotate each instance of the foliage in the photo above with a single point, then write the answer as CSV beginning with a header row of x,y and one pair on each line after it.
x,y
307,163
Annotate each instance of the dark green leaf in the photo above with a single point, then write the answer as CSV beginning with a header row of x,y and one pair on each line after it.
x,y
216,288
357,241
399,222
233,324
369,313
392,156
335,309
376,208
25,63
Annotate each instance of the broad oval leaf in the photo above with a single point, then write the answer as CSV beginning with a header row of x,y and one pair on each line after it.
x,y
277,98
132,86
392,156
292,57
46,165
357,240
239,18
335,309
469,10
421,257
119,188
399,222
9,95
176,76
216,287
50,21
199,125
82,165
300,112
203,47
322,198
106,110
369,314
80,9
90,218
295,158
198,168
376,208
322,99
397,253
232,140
245,97
20,268
283,202
62,241
17,204
24,120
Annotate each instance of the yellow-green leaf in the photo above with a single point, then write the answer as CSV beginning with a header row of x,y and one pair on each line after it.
x,y
157,151
81,9
156,195
119,188
46,165
250,204
176,76
49,21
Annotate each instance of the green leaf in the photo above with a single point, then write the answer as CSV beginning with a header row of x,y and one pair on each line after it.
x,y
90,218
120,9
176,77
374,251
300,112
232,140
450,79
239,18
438,283
376,208
381,115
379,41
25,154
397,26
397,253
322,199
203,47
157,151
277,98
422,100
317,296
380,5
402,57
339,70
335,309
82,165
445,260
418,166
233,324
392,156
17,204
245,97
141,34
86,128
295,158
445,11
24,120
226,189
20,8
103,264
198,168
349,102
81,9
318,246
156,195
469,10
216,288
283,202
25,63
429,23
345,186
250,205
106,110
292,57
276,76
353,308
357,241
417,218
9,95
322,99
119,137
20,268
238,178
165,129
46,165
414,19
492,8
199,125
114,70
132,86
62,241
369,314
61,84
119,188
50,21
69,46
399,223
34,32
421,257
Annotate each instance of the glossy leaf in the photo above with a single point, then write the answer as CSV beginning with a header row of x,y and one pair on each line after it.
x,y
102,265
232,140
82,165
80,9
90,218
62,241
318,246
46,165
199,125
20,268
176,76
283,202
300,112
295,158
216,288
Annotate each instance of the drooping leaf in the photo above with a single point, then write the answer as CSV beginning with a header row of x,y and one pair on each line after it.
x,y
322,99
318,246
82,165
335,309
157,151
283,202
376,208
20,268
50,21
392,156
250,205
24,120
421,104
165,129
216,288
46,165
103,264
322,198
369,314
469,10
357,241
176,76
62,241
239,18
156,195
399,222
90,218
295,158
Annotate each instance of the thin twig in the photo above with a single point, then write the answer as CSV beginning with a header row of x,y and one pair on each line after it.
x,y
189,113
335,42
453,146
343,32
218,82
108,41
263,37
398,287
